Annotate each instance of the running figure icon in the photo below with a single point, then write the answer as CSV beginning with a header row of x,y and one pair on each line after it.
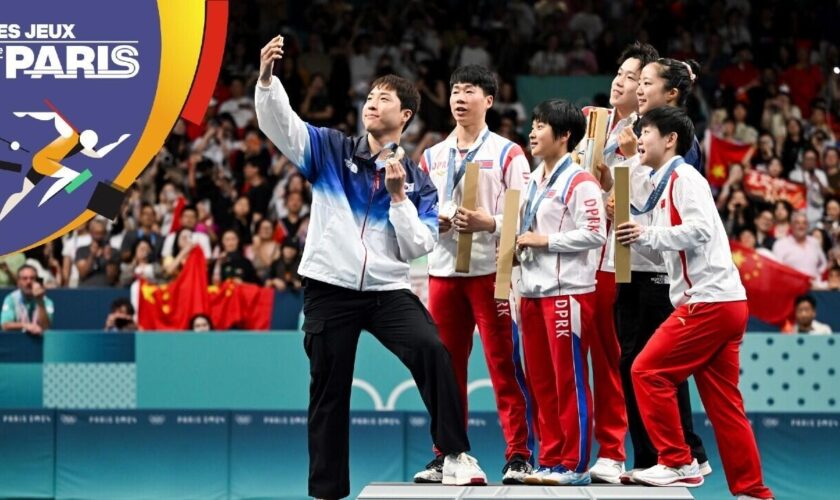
x,y
47,161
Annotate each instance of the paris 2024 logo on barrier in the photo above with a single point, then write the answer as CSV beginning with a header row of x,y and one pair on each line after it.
x,y
90,90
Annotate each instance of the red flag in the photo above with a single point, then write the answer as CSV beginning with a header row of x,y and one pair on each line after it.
x,y
761,185
723,153
771,286
240,306
171,306
176,214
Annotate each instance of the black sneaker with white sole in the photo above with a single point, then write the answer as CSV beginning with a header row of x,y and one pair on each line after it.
x,y
515,470
433,473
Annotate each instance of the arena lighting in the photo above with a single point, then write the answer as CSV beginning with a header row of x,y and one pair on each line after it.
x,y
837,70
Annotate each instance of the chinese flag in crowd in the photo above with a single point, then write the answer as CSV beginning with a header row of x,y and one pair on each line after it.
x,y
771,287
240,306
171,306
723,153
230,305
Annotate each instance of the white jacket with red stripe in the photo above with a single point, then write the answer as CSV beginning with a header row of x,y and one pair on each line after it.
x,y
688,235
572,215
502,166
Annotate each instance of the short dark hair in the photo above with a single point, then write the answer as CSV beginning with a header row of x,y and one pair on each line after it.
x,y
121,302
27,266
644,52
668,119
807,298
811,149
676,75
475,75
406,92
563,117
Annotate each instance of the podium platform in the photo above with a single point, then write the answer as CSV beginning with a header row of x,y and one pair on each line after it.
x,y
403,491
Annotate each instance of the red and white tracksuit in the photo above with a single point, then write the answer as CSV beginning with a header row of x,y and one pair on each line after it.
x,y
460,301
558,310
703,335
610,414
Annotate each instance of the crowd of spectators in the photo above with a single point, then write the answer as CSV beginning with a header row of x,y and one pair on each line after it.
x,y
768,79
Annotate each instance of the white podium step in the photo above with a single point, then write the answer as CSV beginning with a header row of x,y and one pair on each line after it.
x,y
405,491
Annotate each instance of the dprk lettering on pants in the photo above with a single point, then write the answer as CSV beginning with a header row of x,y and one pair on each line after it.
x,y
562,320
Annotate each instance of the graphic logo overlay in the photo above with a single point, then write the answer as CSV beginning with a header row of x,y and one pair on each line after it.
x,y
90,90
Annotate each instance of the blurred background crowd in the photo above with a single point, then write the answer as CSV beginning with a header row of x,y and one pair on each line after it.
x,y
769,79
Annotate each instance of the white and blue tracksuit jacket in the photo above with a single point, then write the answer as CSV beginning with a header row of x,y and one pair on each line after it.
x,y
357,238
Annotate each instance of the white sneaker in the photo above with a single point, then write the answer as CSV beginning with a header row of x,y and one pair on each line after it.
x,y
661,475
561,476
607,470
433,473
462,470
537,475
705,468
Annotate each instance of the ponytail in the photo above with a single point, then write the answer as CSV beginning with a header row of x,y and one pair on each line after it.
x,y
678,75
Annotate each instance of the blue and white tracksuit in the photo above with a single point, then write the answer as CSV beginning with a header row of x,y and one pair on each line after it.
x,y
357,238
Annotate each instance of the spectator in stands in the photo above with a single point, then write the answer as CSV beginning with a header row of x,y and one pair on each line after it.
x,y
549,60
793,146
145,231
201,323
806,317
316,107
775,169
475,52
763,228
815,182
738,214
831,165
98,262
587,22
818,122
801,251
782,211
188,220
315,59
744,132
181,249
778,111
830,222
580,60
28,308
833,282
508,102
284,270
294,219
746,237
142,265
45,262
264,249
121,317
240,105
257,189
765,152
242,219
232,263
804,79
740,76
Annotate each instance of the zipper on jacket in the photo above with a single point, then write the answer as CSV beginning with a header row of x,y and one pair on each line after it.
x,y
373,190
